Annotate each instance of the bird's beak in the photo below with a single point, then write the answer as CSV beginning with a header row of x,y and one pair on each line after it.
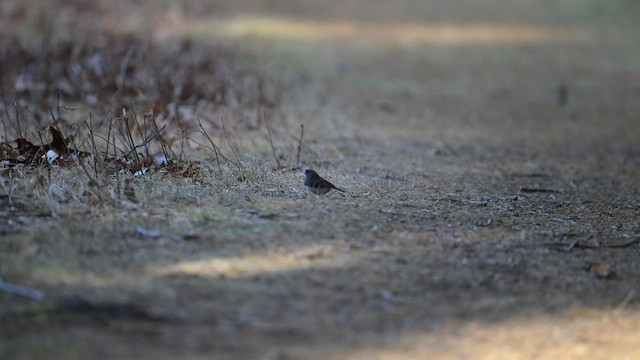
x,y
302,173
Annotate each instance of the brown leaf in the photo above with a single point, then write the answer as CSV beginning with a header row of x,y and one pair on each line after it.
x,y
602,269
57,143
25,147
156,109
7,152
191,171
29,153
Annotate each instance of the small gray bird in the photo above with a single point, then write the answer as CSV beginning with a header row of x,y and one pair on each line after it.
x,y
317,185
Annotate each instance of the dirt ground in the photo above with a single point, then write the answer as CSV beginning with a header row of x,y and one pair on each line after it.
x,y
490,155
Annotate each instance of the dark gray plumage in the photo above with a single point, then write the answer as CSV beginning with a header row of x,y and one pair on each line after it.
x,y
317,185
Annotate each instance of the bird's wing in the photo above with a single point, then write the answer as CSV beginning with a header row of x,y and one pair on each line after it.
x,y
325,183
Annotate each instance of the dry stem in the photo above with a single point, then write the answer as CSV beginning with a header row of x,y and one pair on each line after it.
x,y
273,149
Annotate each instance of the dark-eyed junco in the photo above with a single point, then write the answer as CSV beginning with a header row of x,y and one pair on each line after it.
x,y
317,185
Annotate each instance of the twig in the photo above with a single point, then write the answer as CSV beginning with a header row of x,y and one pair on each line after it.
x,y
112,141
106,151
538,190
133,144
182,133
84,168
23,291
53,117
162,144
215,148
4,127
577,245
41,151
625,245
536,175
148,233
565,246
15,106
58,105
235,155
144,136
273,149
115,149
300,144
6,113
93,146
146,141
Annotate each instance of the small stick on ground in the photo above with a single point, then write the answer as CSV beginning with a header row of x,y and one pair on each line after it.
x,y
273,149
577,245
626,245
20,290
535,175
300,144
538,190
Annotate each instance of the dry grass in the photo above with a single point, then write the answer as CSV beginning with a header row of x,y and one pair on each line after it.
x,y
434,251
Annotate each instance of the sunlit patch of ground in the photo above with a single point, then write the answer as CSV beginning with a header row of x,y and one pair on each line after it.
x,y
476,202
408,34
253,265
536,336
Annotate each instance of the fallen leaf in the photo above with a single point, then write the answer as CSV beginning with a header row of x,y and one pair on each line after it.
x,y
57,142
602,269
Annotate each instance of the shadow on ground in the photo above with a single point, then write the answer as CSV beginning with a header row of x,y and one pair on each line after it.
x,y
474,198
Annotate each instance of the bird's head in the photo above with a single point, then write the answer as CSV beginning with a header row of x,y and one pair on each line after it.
x,y
310,173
